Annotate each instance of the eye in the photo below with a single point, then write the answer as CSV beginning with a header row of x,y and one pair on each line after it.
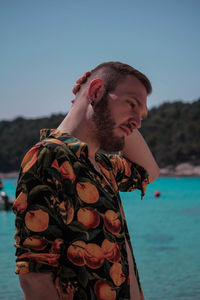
x,y
132,105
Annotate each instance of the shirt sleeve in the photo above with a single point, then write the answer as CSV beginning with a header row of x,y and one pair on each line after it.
x,y
129,175
42,210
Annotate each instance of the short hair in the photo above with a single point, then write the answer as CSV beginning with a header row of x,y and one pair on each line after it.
x,y
113,72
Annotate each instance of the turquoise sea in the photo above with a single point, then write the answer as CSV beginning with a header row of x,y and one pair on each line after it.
x,y
165,234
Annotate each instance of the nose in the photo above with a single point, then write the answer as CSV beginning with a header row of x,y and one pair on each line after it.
x,y
135,122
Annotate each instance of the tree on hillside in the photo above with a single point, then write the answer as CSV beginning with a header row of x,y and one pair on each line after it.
x,y
171,130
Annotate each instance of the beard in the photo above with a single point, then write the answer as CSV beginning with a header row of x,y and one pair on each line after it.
x,y
105,125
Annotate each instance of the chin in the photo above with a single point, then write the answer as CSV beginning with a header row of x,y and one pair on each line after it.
x,y
113,145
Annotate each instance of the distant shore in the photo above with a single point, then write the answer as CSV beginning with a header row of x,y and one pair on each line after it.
x,y
184,169
9,175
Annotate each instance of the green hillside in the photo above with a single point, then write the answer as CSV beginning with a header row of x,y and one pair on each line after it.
x,y
172,131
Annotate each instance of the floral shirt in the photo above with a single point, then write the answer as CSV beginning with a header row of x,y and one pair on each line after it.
x,y
70,220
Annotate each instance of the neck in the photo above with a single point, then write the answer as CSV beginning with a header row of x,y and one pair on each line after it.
x,y
80,126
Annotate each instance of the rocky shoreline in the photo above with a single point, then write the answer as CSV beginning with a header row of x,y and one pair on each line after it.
x,y
184,169
9,175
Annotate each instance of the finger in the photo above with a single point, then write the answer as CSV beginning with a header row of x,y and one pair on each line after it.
x,y
76,88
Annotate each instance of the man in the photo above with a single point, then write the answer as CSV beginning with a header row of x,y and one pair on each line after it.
x,y
5,199
71,235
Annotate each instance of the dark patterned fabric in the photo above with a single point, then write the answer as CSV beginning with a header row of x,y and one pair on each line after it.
x,y
69,218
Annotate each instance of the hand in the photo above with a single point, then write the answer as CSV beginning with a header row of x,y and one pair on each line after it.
x,y
80,81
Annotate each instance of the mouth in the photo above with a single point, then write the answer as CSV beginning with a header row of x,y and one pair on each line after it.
x,y
127,130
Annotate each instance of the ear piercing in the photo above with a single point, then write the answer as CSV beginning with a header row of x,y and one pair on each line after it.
x,y
91,102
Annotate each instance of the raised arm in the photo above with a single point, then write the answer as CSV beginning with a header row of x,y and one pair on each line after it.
x,y
137,150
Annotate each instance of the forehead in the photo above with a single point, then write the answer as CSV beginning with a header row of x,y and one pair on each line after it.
x,y
132,87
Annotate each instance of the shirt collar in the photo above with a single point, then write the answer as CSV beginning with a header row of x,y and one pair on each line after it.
x,y
79,148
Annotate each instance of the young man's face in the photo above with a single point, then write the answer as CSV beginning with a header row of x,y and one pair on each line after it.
x,y
120,112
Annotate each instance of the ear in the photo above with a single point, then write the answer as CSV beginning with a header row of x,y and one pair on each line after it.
x,y
96,89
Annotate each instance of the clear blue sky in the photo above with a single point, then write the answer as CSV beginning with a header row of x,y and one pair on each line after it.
x,y
46,45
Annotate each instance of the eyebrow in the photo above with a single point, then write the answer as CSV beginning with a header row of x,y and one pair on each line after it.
x,y
135,98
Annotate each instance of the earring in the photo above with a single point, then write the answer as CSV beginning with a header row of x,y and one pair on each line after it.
x,y
91,102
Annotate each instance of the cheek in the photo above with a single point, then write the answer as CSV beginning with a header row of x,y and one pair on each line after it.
x,y
122,116
120,113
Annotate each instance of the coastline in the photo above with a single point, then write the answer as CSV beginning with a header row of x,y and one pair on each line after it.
x,y
9,175
183,169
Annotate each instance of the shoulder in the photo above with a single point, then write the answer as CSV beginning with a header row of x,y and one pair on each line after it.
x,y
44,153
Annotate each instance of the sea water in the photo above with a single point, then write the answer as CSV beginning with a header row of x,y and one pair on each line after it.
x,y
165,234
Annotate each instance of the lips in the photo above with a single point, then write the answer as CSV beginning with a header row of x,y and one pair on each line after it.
x,y
126,129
